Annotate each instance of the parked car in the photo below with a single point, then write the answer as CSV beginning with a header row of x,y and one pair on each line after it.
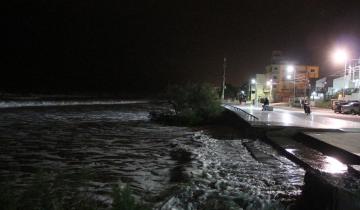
x,y
334,103
351,107
338,104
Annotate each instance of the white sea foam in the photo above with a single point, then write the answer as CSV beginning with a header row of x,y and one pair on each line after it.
x,y
39,103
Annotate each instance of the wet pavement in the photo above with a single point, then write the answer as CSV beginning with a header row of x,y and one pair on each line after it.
x,y
343,141
297,118
349,142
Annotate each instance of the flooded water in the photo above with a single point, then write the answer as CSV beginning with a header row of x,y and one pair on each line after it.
x,y
167,167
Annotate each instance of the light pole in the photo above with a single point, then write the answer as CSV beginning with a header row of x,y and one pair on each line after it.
x,y
253,82
249,94
269,83
290,69
223,82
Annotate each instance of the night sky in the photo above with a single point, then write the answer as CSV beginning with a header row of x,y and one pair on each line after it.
x,y
142,46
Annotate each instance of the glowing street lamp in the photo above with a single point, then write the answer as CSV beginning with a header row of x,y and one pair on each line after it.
x,y
341,56
290,69
253,82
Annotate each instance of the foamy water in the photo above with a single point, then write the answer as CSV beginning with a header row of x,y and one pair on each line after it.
x,y
167,167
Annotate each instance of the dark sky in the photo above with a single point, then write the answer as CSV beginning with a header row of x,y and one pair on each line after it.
x,y
127,46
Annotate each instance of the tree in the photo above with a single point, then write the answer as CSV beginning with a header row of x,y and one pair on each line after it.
x,y
194,103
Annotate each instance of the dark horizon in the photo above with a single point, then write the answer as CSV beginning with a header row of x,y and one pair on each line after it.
x,y
144,46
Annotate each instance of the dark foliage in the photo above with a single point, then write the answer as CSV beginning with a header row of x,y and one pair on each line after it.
x,y
192,104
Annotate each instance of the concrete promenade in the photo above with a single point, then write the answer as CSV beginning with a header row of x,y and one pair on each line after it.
x,y
325,144
322,126
295,117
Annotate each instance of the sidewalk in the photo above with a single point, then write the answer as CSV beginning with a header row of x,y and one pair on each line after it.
x,y
295,117
345,135
346,141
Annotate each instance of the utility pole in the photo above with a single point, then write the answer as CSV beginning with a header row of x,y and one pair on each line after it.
x,y
294,85
223,81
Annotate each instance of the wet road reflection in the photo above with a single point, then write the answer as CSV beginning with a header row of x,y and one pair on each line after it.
x,y
297,118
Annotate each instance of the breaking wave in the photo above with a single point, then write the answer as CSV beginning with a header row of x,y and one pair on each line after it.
x,y
39,103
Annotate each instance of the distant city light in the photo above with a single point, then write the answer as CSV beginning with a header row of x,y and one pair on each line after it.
x,y
288,76
253,81
340,56
290,68
268,83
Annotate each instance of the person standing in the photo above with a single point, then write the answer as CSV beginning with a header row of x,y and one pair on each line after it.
x,y
266,104
306,107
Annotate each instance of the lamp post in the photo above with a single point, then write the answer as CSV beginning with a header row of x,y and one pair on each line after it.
x,y
253,82
223,81
290,69
269,83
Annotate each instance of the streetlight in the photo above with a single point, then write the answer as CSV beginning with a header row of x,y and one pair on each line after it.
x,y
253,82
270,83
223,81
341,56
290,69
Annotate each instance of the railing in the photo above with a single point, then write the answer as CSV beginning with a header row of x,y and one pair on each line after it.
x,y
250,118
247,116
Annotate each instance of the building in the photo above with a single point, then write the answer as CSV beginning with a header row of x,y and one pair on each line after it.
x,y
324,87
288,81
346,87
284,81
258,87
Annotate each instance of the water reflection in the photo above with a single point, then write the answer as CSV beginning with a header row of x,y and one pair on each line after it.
x,y
332,165
286,118
291,151
318,161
